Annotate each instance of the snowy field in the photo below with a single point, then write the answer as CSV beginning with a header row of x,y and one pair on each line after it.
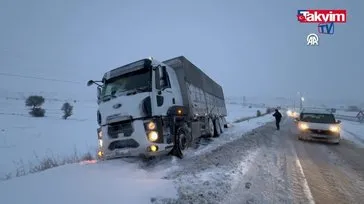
x,y
236,112
132,181
353,131
25,141
346,113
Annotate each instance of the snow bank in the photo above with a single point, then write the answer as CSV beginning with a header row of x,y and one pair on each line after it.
x,y
114,181
236,131
353,131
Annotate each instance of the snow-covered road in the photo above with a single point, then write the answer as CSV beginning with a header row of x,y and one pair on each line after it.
x,y
269,166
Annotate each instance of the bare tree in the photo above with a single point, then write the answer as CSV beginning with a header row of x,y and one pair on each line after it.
x,y
67,109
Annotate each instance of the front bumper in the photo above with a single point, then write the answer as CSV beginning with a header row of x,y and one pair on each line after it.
x,y
134,144
333,137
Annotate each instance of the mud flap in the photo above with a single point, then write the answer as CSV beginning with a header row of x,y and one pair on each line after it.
x,y
176,152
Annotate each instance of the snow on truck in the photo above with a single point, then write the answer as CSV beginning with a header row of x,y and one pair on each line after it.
x,y
149,108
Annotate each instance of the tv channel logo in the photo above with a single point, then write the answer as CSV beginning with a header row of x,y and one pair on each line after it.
x,y
326,28
312,39
321,16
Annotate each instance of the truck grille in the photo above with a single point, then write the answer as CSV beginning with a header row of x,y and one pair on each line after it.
x,y
120,127
322,132
120,144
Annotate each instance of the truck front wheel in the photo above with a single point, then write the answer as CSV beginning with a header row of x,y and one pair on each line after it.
x,y
181,143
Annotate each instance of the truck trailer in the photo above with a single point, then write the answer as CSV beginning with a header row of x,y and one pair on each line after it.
x,y
149,108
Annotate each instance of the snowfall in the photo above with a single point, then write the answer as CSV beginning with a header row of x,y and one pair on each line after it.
x,y
26,141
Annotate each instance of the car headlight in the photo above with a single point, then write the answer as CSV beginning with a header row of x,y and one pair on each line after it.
x,y
153,136
303,126
335,128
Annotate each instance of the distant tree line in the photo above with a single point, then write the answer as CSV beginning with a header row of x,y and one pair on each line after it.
x,y
35,103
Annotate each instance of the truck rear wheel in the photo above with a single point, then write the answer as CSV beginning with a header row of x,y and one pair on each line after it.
x,y
217,129
221,124
211,128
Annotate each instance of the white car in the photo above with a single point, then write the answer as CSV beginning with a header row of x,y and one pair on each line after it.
x,y
318,125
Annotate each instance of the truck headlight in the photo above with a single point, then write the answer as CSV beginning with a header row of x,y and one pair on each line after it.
x,y
153,136
303,126
99,133
151,125
335,128
100,143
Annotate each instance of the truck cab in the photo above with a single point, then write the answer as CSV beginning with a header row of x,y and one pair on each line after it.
x,y
133,99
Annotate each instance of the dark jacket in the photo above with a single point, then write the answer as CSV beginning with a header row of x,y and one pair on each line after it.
x,y
277,115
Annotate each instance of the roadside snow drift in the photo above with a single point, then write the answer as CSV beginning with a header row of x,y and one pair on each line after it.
x,y
353,131
109,182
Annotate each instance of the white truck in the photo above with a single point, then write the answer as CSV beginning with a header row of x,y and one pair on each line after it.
x,y
149,108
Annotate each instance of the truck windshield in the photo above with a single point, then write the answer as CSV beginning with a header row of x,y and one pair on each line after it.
x,y
127,84
318,118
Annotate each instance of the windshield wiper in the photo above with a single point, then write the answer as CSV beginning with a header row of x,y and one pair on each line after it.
x,y
137,90
107,97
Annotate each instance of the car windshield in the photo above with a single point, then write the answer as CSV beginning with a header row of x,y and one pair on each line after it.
x,y
127,84
317,118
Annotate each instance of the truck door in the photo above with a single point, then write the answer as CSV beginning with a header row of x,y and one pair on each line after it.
x,y
164,92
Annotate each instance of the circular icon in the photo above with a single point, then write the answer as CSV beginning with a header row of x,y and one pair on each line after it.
x,y
312,39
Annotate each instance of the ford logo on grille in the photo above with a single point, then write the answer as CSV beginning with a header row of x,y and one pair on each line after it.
x,y
116,106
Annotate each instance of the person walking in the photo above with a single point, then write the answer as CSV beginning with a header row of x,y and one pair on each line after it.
x,y
278,117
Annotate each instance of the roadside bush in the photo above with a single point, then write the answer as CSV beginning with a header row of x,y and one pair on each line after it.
x,y
268,110
259,113
67,110
353,108
37,112
35,103
46,163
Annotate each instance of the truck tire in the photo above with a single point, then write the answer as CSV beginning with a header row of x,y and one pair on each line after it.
x,y
224,122
217,130
181,143
221,124
210,128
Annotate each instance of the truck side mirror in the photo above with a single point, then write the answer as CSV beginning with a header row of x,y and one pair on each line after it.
x,y
90,82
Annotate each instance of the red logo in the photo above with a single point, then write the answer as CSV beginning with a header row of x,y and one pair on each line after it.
x,y
321,16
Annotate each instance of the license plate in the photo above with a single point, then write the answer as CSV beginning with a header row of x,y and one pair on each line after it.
x,y
124,152
317,135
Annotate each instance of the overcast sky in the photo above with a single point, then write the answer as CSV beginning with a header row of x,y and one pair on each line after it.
x,y
251,48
